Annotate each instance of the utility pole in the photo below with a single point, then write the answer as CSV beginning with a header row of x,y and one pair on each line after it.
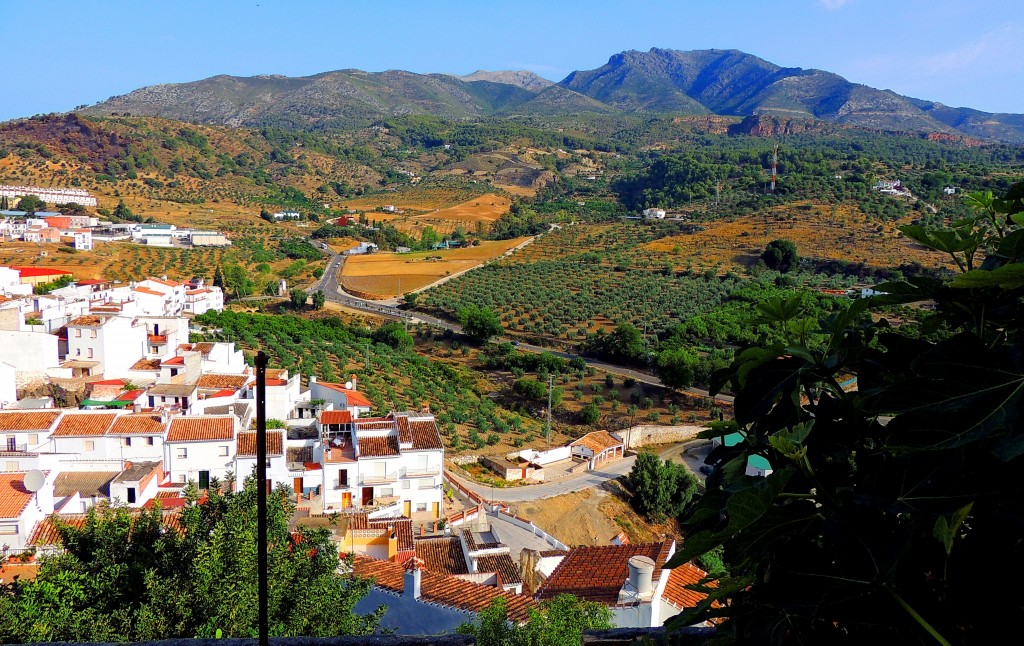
x,y
547,433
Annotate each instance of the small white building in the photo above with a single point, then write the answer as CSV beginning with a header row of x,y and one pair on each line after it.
x,y
199,448
82,240
658,214
21,509
245,459
287,215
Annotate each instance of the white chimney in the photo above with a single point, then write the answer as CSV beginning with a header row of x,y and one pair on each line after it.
x,y
312,379
413,577
355,383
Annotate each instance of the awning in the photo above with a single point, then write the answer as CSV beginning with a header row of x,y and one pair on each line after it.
x,y
113,403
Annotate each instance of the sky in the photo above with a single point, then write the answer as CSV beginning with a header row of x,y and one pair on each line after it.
x,y
66,53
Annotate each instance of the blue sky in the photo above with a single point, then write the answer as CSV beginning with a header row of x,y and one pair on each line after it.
x,y
59,54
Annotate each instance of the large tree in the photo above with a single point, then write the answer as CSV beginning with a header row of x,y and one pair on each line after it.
x,y
676,367
479,323
892,511
780,255
128,576
661,489
31,204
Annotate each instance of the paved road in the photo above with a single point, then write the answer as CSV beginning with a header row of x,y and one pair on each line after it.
x,y
585,480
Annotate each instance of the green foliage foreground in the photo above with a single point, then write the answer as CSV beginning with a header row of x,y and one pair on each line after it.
x,y
557,622
128,577
893,513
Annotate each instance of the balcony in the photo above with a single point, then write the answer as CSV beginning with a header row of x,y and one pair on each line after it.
x,y
335,454
10,447
423,472
338,485
371,479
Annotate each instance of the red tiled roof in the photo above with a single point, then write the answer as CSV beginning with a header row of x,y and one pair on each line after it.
x,y
352,397
503,565
14,497
146,290
161,281
157,338
91,281
227,392
201,428
442,590
378,447
217,381
33,272
404,436
335,417
27,421
88,321
137,425
442,555
146,364
84,424
276,382
46,531
597,441
676,591
425,434
596,573
108,382
130,395
174,361
247,444
402,527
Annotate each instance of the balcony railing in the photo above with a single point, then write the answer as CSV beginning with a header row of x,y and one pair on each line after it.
x,y
423,472
14,448
339,485
371,479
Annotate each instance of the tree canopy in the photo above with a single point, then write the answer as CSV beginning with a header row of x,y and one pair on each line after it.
x,y
780,255
661,489
127,575
887,513
557,622
479,323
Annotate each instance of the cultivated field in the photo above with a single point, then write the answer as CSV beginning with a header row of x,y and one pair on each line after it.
x,y
385,275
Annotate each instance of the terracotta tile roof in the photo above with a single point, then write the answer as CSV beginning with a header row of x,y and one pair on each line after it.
x,y
375,423
27,421
174,361
503,565
39,271
596,573
277,373
148,291
157,338
201,428
676,592
46,531
597,441
276,382
352,397
425,434
404,436
130,395
146,364
203,347
137,425
402,527
247,444
378,447
161,281
84,483
472,545
215,381
108,382
442,555
442,590
335,417
84,424
88,321
14,497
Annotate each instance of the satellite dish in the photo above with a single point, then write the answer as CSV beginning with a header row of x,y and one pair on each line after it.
x,y
34,480
348,385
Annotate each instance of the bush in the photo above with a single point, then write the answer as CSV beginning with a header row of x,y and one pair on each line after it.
x,y
590,413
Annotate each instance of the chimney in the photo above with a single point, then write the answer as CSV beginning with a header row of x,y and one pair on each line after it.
x,y
312,379
393,543
127,465
355,383
136,407
413,576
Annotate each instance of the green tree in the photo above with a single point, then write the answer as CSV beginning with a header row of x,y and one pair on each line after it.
x,y
319,300
590,413
886,505
780,255
676,367
127,576
557,622
298,298
218,277
31,204
661,489
393,334
479,323
429,237
236,280
122,212
410,298
530,389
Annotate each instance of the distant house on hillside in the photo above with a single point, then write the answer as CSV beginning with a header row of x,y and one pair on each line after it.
x,y
658,214
361,248
287,215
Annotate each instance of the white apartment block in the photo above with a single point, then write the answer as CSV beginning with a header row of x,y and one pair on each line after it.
x,y
100,344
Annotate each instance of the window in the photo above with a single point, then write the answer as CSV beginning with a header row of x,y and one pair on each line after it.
x,y
406,484
131,495
12,466
89,445
149,441
386,492
8,528
127,441
78,333
223,451
92,334
90,353
421,506
181,478
426,483
182,453
33,438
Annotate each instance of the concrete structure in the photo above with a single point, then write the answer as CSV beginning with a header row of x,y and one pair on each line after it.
x,y
200,448
21,509
597,448
658,214
104,345
50,195
208,239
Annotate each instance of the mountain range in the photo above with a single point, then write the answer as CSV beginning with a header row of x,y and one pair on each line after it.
x,y
721,82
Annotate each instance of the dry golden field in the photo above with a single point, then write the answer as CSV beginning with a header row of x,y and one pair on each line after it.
x,y
385,274
819,231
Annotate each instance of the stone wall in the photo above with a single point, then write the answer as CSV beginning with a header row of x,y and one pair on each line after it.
x,y
645,435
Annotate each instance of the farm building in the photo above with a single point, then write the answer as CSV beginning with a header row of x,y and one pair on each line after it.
x,y
654,213
209,239
363,247
597,448
509,470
